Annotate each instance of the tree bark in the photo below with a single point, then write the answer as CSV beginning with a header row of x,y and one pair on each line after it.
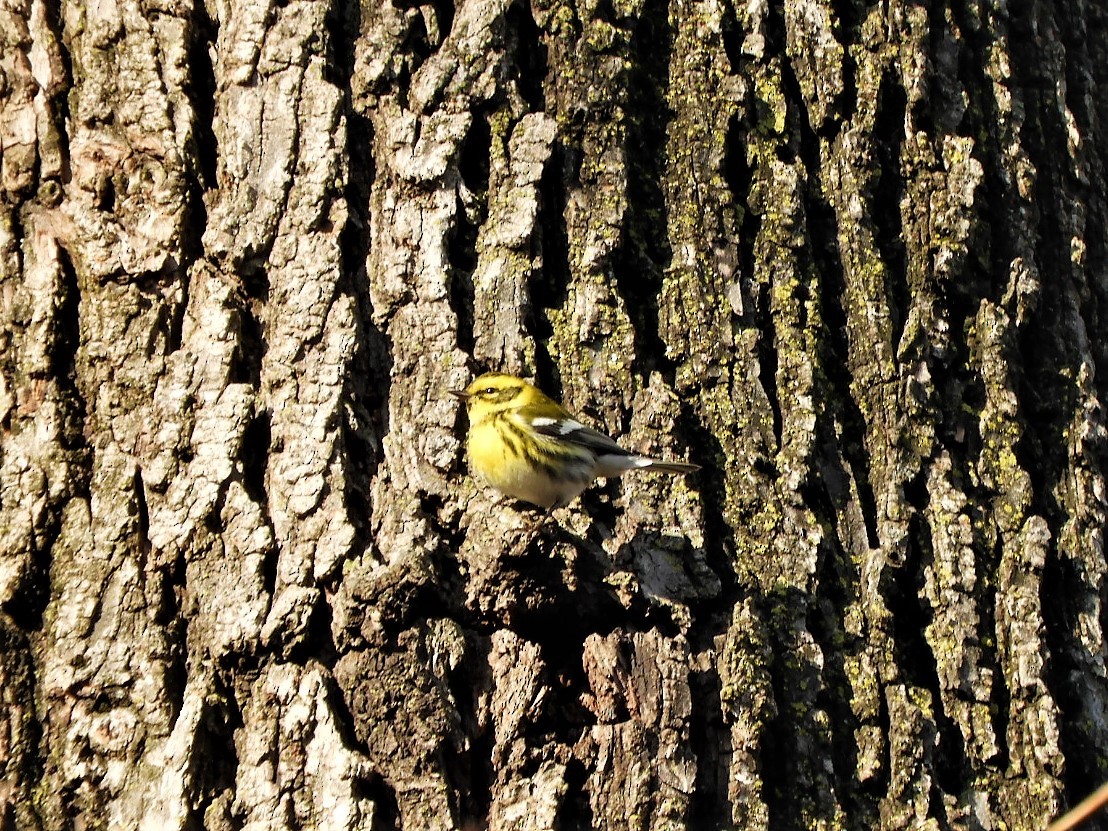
x,y
849,257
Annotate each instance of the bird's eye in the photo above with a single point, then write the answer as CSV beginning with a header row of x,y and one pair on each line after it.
x,y
489,391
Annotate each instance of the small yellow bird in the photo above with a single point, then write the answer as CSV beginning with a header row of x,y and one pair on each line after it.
x,y
526,445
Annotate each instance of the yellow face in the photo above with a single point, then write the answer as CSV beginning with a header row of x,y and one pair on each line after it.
x,y
493,393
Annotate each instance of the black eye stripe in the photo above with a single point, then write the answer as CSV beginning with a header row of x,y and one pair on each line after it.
x,y
499,394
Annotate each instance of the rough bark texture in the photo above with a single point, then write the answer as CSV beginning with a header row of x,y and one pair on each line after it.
x,y
850,257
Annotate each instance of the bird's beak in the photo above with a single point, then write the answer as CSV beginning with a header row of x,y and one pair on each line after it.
x,y
462,394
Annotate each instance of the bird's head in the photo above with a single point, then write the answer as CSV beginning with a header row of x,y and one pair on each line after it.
x,y
494,392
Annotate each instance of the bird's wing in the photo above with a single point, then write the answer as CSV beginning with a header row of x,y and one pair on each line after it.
x,y
567,428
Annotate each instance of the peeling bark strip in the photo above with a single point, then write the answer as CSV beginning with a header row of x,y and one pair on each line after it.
x,y
852,259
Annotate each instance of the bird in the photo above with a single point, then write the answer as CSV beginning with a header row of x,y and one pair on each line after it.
x,y
526,445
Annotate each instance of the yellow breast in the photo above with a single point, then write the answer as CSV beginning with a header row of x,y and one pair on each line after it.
x,y
503,464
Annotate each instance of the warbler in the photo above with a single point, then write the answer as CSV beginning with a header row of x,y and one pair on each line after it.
x,y
528,446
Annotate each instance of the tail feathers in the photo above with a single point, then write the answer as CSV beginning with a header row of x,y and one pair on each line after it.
x,y
671,467
613,465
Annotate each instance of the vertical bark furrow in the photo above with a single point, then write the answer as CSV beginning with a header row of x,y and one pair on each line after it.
x,y
506,244
109,645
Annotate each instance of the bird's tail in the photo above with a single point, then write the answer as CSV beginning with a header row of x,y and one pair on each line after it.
x,y
613,464
670,467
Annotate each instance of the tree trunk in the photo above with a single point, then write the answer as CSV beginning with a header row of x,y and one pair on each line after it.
x,y
849,257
